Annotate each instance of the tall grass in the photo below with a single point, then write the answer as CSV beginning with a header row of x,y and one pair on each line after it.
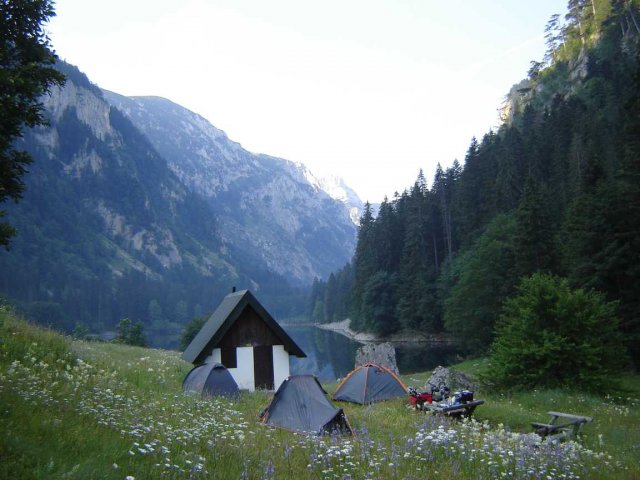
x,y
92,410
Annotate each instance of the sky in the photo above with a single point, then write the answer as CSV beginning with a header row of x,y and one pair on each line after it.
x,y
368,90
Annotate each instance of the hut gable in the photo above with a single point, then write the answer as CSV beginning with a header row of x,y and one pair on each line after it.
x,y
239,321
249,330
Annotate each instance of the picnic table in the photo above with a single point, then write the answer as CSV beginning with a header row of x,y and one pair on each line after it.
x,y
561,426
464,409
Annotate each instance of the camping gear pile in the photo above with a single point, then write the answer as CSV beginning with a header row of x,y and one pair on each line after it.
x,y
438,394
440,400
418,399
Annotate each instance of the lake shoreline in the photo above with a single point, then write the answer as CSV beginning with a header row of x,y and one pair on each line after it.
x,y
343,327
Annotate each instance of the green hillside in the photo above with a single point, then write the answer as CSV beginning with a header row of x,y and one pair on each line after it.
x,y
72,409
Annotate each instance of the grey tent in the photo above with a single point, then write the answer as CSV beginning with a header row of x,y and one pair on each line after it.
x,y
368,384
211,379
301,405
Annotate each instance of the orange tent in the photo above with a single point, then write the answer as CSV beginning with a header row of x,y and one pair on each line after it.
x,y
368,384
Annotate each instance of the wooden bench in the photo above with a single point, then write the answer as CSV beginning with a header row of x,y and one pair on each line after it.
x,y
455,410
561,426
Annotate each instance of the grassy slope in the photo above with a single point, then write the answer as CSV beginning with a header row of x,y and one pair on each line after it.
x,y
90,410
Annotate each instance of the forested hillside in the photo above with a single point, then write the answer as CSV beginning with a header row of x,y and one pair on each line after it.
x,y
555,189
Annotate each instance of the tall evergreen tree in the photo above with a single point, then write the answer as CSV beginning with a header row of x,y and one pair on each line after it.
x,y
444,185
26,63
509,172
378,304
364,264
475,202
388,242
485,277
331,299
344,280
417,306
468,197
316,301
534,237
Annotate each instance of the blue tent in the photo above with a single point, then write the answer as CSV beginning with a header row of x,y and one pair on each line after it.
x,y
211,379
301,405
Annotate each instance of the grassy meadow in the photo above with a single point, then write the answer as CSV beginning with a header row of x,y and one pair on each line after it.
x,y
80,410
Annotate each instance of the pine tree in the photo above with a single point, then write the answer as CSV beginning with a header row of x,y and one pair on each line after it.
x,y
468,195
534,238
316,300
378,304
136,335
417,306
476,202
444,185
124,330
364,264
331,299
484,278
26,63
509,173
387,238
344,280
550,335
191,329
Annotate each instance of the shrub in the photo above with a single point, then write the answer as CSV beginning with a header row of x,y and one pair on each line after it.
x,y
131,334
191,330
552,335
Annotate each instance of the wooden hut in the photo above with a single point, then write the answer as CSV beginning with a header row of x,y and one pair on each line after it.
x,y
247,340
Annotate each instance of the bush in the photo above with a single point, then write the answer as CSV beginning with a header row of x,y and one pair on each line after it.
x,y
554,336
191,330
131,334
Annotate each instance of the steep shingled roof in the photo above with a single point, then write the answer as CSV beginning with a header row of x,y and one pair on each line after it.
x,y
223,318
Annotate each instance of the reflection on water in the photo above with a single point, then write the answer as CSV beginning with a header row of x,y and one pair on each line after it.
x,y
420,357
331,356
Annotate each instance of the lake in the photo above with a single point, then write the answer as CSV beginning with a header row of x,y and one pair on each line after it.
x,y
331,355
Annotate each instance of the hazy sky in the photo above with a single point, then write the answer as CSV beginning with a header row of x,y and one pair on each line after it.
x,y
370,90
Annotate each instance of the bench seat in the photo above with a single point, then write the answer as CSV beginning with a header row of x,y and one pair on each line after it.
x,y
556,431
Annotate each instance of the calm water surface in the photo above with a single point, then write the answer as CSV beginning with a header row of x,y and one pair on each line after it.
x,y
331,355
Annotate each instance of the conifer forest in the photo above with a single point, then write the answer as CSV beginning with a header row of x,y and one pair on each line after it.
x,y
555,190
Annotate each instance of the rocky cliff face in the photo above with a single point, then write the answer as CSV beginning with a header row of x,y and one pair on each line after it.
x,y
268,207
94,153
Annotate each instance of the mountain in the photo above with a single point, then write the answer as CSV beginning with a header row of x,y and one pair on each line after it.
x,y
115,222
263,204
335,187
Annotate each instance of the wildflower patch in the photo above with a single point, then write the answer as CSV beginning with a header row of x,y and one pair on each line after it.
x,y
168,434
